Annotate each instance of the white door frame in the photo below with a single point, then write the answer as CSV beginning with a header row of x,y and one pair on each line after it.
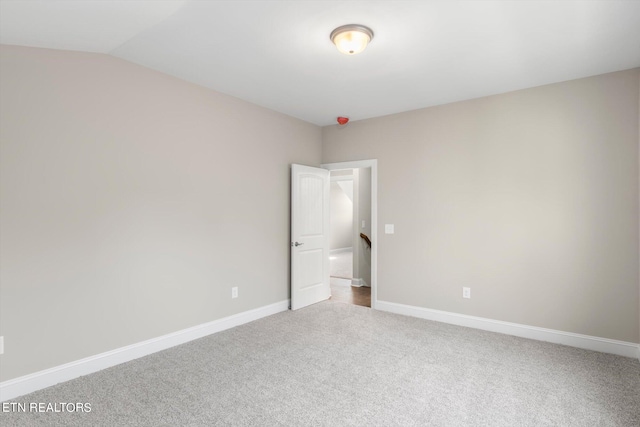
x,y
373,164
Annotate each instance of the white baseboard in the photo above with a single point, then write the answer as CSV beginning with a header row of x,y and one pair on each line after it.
x,y
29,383
340,250
588,342
359,282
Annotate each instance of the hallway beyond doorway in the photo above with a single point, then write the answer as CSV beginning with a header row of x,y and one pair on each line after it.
x,y
341,264
342,291
340,268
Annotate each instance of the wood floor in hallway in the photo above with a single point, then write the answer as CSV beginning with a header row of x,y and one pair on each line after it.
x,y
342,291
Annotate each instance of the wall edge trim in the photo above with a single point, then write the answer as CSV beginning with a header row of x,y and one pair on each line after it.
x,y
29,383
588,342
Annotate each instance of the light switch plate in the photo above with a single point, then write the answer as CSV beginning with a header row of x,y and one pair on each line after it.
x,y
389,229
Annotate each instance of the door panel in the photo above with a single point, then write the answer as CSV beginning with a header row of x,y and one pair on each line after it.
x,y
310,236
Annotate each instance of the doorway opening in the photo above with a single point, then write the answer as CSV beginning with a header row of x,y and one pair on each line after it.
x,y
353,222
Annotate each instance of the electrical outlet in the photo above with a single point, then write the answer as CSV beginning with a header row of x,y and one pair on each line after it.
x,y
466,292
1,345
389,229
363,224
234,292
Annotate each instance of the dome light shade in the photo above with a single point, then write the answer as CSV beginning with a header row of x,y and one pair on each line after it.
x,y
351,39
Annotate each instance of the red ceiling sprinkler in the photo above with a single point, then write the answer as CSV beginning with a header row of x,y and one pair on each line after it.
x,y
343,120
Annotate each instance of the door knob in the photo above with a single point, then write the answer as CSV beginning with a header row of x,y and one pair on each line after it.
x,y
298,244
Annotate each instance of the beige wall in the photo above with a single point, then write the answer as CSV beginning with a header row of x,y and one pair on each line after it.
x,y
131,203
530,198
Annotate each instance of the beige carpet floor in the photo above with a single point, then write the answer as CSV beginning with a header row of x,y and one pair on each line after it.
x,y
335,364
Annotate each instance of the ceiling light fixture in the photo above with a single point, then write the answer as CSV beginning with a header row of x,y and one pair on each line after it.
x,y
351,39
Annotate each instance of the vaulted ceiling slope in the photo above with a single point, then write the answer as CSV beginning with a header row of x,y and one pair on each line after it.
x,y
278,54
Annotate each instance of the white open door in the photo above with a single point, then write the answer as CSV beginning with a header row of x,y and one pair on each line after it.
x,y
309,235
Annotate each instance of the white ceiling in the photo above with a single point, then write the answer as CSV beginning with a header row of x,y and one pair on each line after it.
x,y
278,54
